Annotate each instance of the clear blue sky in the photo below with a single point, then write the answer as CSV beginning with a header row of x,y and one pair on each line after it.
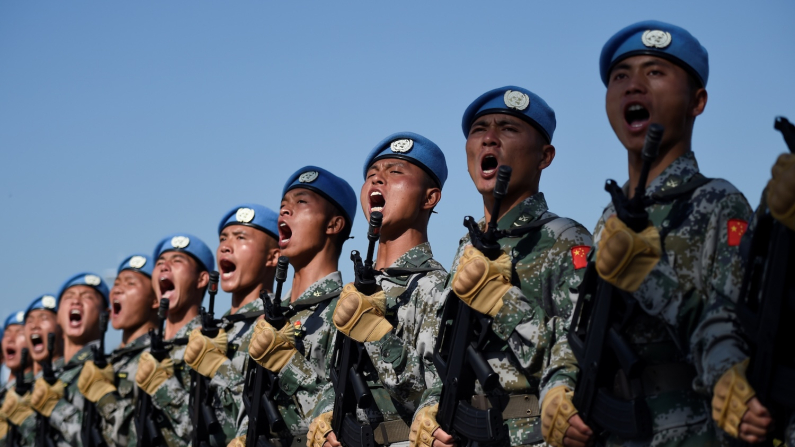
x,y
121,122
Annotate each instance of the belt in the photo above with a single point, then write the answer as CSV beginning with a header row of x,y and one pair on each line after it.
x,y
297,441
390,432
654,380
519,406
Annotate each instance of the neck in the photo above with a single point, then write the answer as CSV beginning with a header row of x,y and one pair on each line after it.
x,y
241,298
507,204
306,274
70,349
666,157
177,321
391,248
37,368
129,335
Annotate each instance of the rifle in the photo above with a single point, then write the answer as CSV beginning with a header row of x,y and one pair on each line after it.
x,y
767,303
457,354
207,430
349,357
21,388
43,433
594,334
146,430
261,384
91,427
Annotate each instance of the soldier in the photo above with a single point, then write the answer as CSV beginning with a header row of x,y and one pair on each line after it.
x,y
680,270
529,292
134,312
315,219
13,342
247,254
81,300
403,179
181,274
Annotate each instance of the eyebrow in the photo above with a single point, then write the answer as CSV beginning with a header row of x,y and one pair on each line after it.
x,y
502,121
387,165
646,64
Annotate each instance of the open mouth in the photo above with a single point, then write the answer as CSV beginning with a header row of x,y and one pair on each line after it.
x,y
636,116
285,233
227,268
488,165
37,342
75,318
10,353
377,201
115,308
166,287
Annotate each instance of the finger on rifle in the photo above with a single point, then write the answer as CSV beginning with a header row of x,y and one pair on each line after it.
x,y
442,439
331,440
577,423
757,416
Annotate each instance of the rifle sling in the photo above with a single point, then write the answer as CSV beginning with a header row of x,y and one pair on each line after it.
x,y
695,182
532,226
406,271
234,318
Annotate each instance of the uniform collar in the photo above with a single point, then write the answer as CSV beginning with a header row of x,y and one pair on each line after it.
x,y
249,307
85,353
529,210
414,258
329,284
189,327
676,174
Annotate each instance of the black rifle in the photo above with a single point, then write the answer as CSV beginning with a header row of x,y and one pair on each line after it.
x,y
595,336
13,438
146,429
350,358
457,354
91,426
767,305
261,384
207,431
44,436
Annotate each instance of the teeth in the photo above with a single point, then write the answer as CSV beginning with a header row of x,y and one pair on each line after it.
x,y
116,302
635,107
377,208
375,193
75,312
282,224
35,337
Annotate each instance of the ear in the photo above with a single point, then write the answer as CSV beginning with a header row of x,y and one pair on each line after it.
x,y
204,280
432,198
699,102
272,257
335,225
547,155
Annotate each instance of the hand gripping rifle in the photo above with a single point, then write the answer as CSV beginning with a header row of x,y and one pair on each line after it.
x,y
594,335
457,354
207,431
44,436
146,429
350,358
767,304
261,384
91,426
14,438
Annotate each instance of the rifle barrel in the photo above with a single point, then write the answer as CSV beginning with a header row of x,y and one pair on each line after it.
x,y
650,149
281,277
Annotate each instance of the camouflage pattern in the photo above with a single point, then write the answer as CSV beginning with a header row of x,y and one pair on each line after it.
x,y
227,385
172,398
306,376
687,302
28,427
527,346
67,416
403,378
118,409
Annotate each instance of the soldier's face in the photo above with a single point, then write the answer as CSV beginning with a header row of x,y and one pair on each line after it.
x,y
244,256
38,324
500,139
176,276
132,300
13,342
78,313
399,190
646,89
303,224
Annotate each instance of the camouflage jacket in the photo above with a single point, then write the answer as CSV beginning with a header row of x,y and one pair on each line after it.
x,y
118,408
27,429
527,347
67,416
403,377
172,398
686,303
306,376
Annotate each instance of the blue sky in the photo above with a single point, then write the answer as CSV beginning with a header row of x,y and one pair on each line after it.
x,y
121,122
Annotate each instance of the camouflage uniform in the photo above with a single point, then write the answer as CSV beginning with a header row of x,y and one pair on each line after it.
x,y
404,378
173,395
687,301
306,376
28,427
67,416
526,347
118,409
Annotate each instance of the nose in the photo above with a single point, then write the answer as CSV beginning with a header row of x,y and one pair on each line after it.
x,y
491,137
377,178
224,247
636,84
285,211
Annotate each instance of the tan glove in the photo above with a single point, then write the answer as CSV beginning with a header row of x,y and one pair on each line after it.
x,y
270,348
556,410
625,258
481,282
3,426
16,408
151,373
318,430
94,383
45,396
361,317
781,191
731,394
240,441
205,354
424,425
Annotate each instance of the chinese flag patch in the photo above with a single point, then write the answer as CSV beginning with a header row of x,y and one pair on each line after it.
x,y
579,256
735,230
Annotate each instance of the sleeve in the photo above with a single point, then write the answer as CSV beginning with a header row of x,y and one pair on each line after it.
x,y
227,385
118,411
173,400
67,417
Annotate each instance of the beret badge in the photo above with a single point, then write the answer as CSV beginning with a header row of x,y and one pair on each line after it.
x,y
516,100
308,177
180,241
19,317
244,215
656,38
92,280
48,302
402,145
137,262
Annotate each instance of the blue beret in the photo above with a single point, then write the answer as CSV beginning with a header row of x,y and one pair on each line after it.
x,y
14,318
657,39
187,243
86,279
252,215
332,188
46,301
413,148
138,263
516,101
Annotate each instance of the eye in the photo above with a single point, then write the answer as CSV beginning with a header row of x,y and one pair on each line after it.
x,y
618,76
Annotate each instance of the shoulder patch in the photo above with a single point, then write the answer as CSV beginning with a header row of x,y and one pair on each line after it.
x,y
579,256
735,228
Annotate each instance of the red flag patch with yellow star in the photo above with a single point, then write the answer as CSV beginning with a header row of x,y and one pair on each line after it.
x,y
579,256
735,230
